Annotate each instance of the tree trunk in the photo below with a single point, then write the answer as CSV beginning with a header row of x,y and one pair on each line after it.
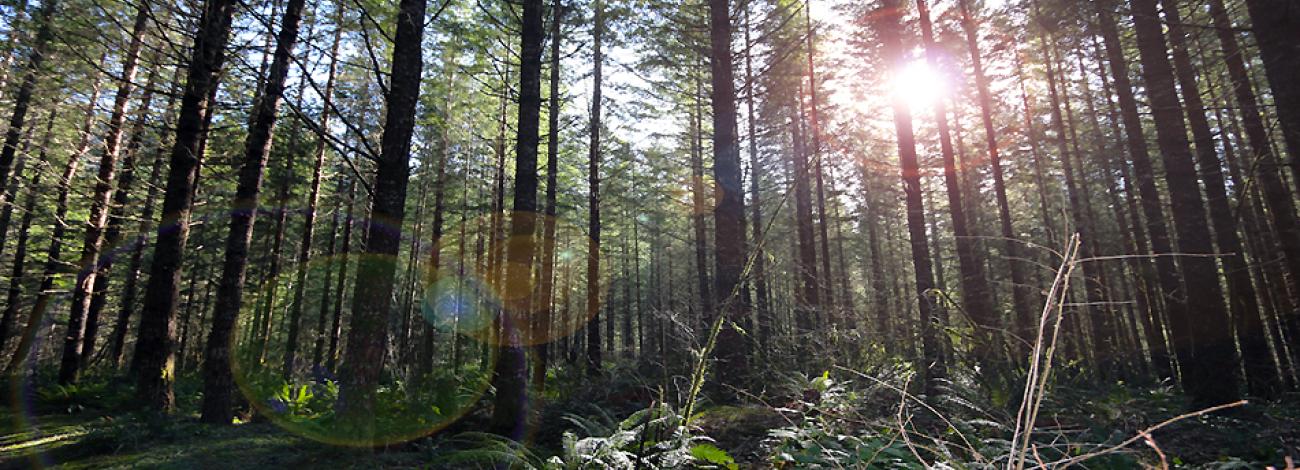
x,y
1202,334
153,351
976,295
19,264
23,99
593,199
309,221
375,274
218,382
1020,288
36,318
510,377
1261,373
340,289
808,293
82,289
1275,23
1170,285
546,310
766,319
888,18
729,214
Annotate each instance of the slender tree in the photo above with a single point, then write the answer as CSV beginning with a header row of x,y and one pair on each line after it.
x,y
888,26
374,280
82,289
218,381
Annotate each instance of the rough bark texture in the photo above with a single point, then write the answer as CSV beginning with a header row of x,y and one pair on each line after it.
x,y
153,350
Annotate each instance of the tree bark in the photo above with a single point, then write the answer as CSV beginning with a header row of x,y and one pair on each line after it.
x,y
729,232
36,318
1202,334
375,273
593,199
1170,285
1021,291
153,351
1261,373
976,295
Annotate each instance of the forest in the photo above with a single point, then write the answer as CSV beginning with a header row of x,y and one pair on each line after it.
x,y
650,234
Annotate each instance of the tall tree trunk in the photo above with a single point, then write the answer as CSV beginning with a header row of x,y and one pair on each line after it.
x,y
729,214
510,377
1170,286
23,99
36,319
375,274
976,295
322,320
1275,23
1261,373
19,264
117,217
309,221
153,351
888,18
825,284
340,289
699,205
1202,334
546,310
82,289
808,293
218,382
766,318
593,199
1020,288
1263,161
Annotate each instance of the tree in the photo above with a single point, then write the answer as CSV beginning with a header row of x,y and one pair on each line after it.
x,y
888,26
1201,335
729,214
372,300
593,198
82,291
218,382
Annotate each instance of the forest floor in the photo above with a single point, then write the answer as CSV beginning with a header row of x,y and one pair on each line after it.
x,y
62,431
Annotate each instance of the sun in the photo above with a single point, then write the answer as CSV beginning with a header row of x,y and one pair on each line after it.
x,y
918,85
